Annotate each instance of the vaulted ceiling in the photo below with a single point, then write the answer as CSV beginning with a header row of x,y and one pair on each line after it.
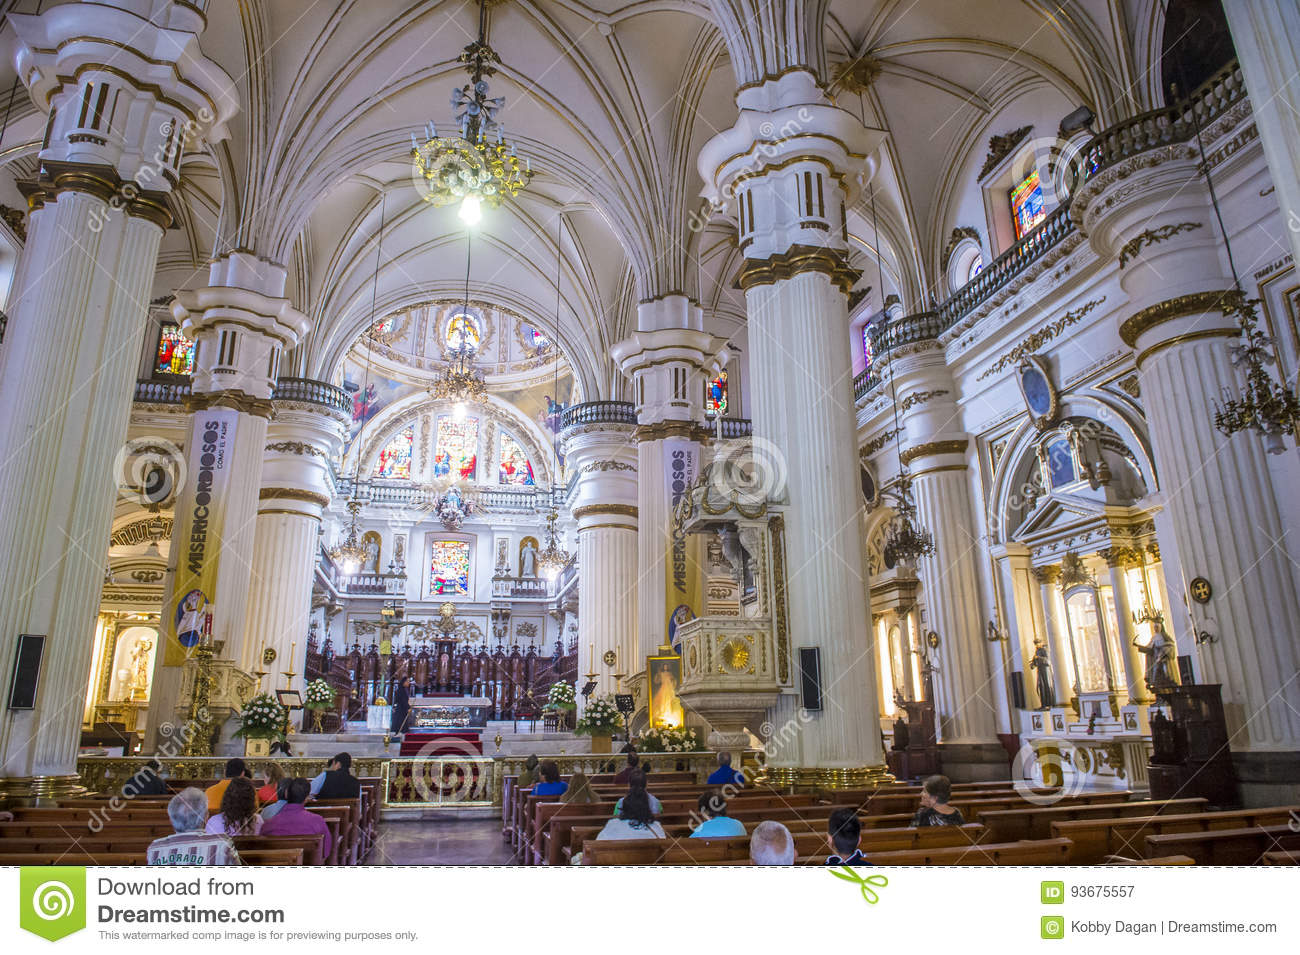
x,y
611,100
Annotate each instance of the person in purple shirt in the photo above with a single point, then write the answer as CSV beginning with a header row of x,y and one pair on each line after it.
x,y
296,820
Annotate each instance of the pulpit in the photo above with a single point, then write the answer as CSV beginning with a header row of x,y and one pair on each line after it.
x,y
918,754
1189,740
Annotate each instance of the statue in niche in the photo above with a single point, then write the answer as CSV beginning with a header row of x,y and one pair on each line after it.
x,y
528,557
370,541
1043,673
1162,658
140,666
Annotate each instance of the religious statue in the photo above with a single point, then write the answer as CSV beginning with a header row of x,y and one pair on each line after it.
x,y
528,559
1043,673
371,565
140,663
1162,658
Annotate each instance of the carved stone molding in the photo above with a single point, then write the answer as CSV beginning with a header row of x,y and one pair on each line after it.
x,y
798,259
919,398
1155,236
1001,146
589,510
1041,337
955,446
879,441
1170,309
296,447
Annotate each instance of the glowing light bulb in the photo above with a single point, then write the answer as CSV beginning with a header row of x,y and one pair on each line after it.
x,y
459,411
350,567
470,210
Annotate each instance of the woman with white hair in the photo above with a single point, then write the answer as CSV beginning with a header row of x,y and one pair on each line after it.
x,y
189,844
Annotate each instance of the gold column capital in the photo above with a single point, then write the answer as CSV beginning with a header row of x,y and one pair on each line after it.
x,y
797,259
954,446
1148,318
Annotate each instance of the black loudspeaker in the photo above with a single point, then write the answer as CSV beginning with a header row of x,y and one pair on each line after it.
x,y
810,677
27,672
1185,672
1018,689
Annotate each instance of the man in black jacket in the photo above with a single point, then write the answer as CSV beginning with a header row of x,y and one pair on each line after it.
x,y
402,705
337,782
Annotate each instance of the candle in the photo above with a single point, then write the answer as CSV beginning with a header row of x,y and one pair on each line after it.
x,y
292,647
592,659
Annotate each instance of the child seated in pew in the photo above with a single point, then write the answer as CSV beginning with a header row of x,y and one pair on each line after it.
x,y
844,832
189,844
239,815
935,811
712,808
551,784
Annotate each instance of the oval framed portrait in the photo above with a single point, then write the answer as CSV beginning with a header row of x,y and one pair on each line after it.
x,y
1037,390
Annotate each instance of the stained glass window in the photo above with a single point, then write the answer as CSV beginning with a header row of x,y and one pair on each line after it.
x,y
449,569
1027,205
515,467
395,459
463,333
455,450
175,352
715,396
534,339
868,349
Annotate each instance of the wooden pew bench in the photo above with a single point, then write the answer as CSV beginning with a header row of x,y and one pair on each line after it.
x,y
1097,837
1036,852
1246,846
1035,822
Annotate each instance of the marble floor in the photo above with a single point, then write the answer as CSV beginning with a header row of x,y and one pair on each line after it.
x,y
441,842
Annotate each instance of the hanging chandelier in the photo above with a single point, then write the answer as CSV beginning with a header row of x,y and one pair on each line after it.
x,y
350,554
906,541
460,381
1263,404
554,558
472,164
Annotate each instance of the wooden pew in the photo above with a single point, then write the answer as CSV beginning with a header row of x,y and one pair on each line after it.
x,y
1246,846
708,851
247,857
1097,837
516,809
308,848
1282,857
1037,852
1035,822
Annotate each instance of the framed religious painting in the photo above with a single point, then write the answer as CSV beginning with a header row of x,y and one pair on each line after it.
x,y
664,674
1037,390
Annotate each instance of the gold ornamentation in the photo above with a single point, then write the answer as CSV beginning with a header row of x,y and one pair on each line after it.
x,y
1131,386
140,532
800,777
624,510
245,404
1073,572
293,494
1041,337
1154,236
610,658
16,219
956,446
879,441
795,260
1000,147
959,234
777,526
919,398
1166,311
296,447
667,429
857,75
735,655
606,466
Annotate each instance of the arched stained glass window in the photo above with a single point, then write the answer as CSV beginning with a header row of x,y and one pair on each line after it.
x,y
514,467
715,396
175,352
395,459
1027,205
449,569
455,449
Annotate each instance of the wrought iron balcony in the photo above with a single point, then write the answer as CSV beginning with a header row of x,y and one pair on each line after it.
x,y
598,412
312,392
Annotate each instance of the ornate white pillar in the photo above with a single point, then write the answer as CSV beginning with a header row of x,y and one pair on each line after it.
x,y
669,359
600,454
305,434
1058,640
1118,559
1263,34
242,325
789,163
98,210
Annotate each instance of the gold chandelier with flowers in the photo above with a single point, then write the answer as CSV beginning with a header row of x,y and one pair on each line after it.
x,y
554,558
472,164
351,555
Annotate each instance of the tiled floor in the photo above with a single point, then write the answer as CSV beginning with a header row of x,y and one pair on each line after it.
x,y
441,842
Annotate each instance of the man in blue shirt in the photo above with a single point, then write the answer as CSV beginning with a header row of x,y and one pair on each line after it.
x,y
724,775
713,810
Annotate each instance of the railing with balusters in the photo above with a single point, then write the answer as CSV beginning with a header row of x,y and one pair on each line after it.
x,y
313,392
598,412
160,391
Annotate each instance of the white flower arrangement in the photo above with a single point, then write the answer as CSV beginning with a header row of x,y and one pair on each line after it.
x,y
561,696
262,717
600,718
320,695
670,739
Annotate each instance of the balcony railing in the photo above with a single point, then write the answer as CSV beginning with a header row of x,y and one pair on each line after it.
x,y
734,427
528,588
159,391
313,392
371,584
598,412
865,382
1147,131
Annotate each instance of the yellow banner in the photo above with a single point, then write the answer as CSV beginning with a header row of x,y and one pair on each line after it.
x,y
197,545
682,591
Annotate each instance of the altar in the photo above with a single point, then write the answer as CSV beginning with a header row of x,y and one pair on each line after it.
x,y
446,726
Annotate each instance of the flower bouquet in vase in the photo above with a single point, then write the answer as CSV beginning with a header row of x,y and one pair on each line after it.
x,y
319,698
600,720
260,721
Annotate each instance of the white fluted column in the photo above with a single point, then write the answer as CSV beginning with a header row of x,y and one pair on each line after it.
x,y
601,456
1117,559
669,359
1058,640
304,435
242,325
1229,530
1263,34
789,193
98,211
